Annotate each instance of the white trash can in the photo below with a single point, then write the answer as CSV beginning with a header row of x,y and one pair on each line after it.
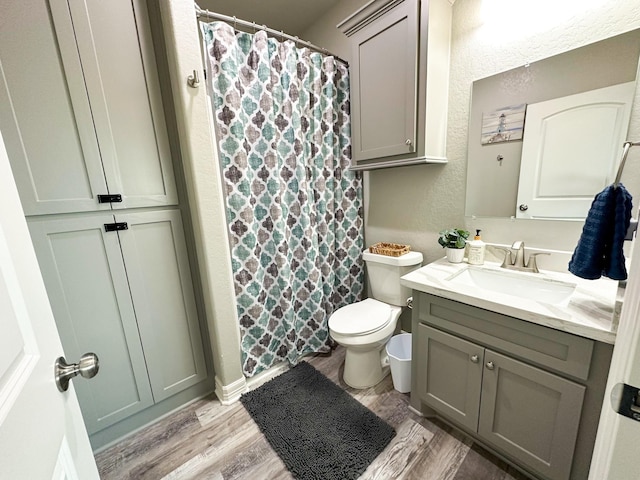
x,y
399,352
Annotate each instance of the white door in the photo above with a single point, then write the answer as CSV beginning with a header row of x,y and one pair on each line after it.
x,y
571,150
615,455
42,435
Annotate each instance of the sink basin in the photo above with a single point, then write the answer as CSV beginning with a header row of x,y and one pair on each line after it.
x,y
523,285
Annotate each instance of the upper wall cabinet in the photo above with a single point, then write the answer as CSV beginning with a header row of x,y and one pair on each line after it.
x,y
102,129
399,81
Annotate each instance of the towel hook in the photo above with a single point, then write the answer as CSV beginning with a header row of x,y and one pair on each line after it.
x,y
193,80
625,151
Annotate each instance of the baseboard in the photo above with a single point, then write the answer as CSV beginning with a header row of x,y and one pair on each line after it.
x,y
416,411
263,377
117,432
228,394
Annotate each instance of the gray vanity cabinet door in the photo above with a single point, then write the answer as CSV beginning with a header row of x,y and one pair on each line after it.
x,y
87,286
450,375
530,414
384,84
159,277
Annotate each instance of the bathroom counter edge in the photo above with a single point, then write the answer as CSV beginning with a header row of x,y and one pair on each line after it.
x,y
591,312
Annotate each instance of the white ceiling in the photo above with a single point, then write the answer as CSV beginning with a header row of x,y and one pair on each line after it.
x,y
290,16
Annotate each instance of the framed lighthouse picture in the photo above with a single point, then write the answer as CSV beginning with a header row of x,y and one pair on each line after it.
x,y
503,125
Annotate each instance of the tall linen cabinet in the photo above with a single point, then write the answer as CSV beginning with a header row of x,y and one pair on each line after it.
x,y
82,115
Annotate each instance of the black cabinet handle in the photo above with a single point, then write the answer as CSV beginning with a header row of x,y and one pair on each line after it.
x,y
110,198
113,227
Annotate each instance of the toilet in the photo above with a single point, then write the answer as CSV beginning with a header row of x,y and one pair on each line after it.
x,y
365,327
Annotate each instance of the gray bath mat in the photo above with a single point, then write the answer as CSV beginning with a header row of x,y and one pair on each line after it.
x,y
317,428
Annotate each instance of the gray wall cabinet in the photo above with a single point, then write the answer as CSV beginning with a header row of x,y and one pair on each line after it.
x,y
82,115
526,392
399,79
83,112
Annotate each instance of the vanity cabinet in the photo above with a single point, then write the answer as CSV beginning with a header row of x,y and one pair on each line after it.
x,y
532,414
399,79
527,392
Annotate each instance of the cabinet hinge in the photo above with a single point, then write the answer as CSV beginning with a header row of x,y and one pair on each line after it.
x,y
112,227
109,198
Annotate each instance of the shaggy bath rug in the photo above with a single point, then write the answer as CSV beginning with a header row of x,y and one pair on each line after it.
x,y
319,430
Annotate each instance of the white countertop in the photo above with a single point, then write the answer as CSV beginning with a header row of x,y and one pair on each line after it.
x,y
592,311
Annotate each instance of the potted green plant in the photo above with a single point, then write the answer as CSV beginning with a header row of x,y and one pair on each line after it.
x,y
453,240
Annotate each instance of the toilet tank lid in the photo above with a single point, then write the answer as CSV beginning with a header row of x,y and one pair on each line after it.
x,y
409,258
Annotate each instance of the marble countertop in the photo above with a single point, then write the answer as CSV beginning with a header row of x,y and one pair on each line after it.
x,y
592,310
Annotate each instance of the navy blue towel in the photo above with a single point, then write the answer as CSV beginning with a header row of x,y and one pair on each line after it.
x,y
599,250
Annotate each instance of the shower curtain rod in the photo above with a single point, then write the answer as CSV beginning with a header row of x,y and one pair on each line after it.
x,y
235,21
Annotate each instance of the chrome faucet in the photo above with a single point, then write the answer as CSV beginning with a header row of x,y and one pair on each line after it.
x,y
519,263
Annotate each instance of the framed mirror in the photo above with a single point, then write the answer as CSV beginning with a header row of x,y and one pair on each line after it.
x,y
526,110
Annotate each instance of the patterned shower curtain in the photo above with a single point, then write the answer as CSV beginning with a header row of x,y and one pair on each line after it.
x,y
294,210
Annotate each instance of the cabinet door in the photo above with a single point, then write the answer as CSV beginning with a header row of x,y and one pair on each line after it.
x,y
450,375
161,287
87,286
45,116
384,84
110,41
530,414
116,52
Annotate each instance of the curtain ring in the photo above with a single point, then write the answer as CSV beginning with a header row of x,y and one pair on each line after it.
x,y
235,26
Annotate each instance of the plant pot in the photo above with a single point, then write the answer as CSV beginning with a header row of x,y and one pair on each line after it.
x,y
454,255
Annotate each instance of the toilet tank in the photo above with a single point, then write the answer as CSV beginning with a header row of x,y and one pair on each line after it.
x,y
384,272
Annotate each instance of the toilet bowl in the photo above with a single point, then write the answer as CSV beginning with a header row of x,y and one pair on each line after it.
x,y
365,327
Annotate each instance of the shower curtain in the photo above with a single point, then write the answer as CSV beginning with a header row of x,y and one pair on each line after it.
x,y
294,210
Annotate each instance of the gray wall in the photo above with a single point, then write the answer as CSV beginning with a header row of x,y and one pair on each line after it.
x,y
411,204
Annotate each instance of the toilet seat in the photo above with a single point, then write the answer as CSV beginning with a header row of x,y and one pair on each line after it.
x,y
362,318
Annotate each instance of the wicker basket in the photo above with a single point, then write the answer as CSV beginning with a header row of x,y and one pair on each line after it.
x,y
390,249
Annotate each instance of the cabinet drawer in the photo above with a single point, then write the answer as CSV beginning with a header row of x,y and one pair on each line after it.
x,y
559,351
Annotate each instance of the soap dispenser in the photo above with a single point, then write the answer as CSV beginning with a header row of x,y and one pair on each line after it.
x,y
476,250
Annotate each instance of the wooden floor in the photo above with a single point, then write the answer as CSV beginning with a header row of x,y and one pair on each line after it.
x,y
207,440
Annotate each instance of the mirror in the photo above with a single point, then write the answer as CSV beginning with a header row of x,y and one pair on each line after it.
x,y
494,159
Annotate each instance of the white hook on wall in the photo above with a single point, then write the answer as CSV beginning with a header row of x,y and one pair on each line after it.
x,y
193,80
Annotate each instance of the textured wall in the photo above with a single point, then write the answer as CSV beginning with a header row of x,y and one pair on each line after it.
x,y
491,36
205,195
411,204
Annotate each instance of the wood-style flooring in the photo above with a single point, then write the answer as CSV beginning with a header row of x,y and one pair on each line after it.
x,y
207,440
